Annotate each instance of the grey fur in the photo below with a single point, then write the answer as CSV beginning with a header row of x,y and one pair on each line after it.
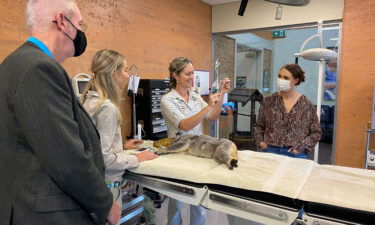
x,y
222,150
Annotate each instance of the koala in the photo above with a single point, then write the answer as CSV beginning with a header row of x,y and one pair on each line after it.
x,y
222,150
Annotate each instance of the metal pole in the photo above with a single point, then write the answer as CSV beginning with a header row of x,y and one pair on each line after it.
x,y
367,147
217,64
134,111
319,103
320,84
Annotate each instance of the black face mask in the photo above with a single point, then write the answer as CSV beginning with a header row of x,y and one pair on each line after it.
x,y
80,41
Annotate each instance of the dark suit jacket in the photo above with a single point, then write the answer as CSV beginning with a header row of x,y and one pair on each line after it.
x,y
51,165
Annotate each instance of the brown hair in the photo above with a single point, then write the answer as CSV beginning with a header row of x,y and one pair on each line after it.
x,y
176,66
296,72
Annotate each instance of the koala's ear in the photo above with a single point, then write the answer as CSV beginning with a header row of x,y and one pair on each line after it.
x,y
178,136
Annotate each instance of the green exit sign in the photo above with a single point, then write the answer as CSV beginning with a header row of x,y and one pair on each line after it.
x,y
279,33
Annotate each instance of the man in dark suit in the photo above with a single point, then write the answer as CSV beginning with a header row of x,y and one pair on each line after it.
x,y
51,166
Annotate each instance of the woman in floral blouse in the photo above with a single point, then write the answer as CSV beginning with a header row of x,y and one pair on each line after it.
x,y
288,123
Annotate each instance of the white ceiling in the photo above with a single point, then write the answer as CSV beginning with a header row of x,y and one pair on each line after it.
x,y
217,2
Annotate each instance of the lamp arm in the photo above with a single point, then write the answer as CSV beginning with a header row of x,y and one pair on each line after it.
x,y
320,32
307,40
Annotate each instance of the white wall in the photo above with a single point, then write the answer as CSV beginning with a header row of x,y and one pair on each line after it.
x,y
261,14
255,77
248,67
252,68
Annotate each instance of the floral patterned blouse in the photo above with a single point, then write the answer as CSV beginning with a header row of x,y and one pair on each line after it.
x,y
300,128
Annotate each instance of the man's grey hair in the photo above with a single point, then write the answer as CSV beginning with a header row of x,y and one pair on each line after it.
x,y
40,13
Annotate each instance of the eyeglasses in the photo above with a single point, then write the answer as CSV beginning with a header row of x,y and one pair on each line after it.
x,y
83,26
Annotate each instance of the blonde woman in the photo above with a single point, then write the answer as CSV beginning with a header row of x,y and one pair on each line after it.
x,y
101,100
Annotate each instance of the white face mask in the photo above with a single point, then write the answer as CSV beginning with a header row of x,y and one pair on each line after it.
x,y
284,85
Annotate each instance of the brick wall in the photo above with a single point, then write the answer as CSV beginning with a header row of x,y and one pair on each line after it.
x,y
148,33
356,82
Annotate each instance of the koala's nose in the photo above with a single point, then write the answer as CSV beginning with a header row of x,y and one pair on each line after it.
x,y
233,163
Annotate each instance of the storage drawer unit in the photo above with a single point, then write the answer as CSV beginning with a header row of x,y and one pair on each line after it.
x,y
148,111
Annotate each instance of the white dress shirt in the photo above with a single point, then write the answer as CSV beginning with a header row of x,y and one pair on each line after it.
x,y
174,109
106,120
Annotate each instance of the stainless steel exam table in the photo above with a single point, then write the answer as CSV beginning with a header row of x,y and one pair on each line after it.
x,y
267,198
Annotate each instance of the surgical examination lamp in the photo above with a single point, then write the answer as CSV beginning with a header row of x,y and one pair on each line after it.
x,y
243,5
321,55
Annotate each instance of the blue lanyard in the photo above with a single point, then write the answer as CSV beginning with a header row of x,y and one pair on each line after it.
x,y
40,45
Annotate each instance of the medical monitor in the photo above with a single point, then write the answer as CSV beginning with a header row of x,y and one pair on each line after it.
x,y
79,83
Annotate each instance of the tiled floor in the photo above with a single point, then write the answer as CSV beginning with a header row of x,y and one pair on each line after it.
x,y
219,218
325,153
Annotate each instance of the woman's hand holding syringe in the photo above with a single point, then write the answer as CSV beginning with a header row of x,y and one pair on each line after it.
x,y
219,92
